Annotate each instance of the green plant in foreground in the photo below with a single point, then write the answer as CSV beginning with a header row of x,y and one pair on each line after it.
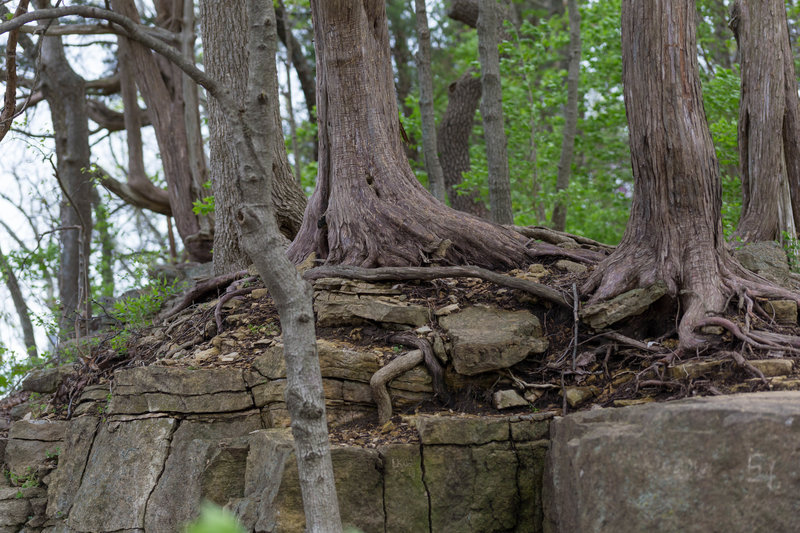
x,y
214,519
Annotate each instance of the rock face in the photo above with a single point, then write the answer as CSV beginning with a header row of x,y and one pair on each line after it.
x,y
767,259
727,463
486,339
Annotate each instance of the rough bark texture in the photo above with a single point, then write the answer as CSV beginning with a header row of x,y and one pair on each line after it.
x,y
455,129
767,109
66,95
160,93
492,113
261,240
224,30
368,209
559,220
674,232
432,165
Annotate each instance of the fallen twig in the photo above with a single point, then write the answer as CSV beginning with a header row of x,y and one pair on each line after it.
x,y
428,273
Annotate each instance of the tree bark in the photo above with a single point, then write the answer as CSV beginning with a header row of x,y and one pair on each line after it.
x,y
432,165
768,111
12,284
225,34
455,130
492,113
674,232
368,208
162,91
66,95
559,220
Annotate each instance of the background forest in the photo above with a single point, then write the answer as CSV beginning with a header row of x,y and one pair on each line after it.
x,y
134,154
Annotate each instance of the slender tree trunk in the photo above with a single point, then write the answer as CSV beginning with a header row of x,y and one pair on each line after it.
x,y
768,148
368,208
225,35
674,233
162,91
287,23
261,239
66,95
455,130
559,220
12,284
492,113
302,67
432,165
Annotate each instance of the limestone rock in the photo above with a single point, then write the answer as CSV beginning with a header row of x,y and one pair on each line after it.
x,y
767,259
506,399
126,461
486,339
404,495
571,266
46,380
727,463
784,311
577,396
335,361
157,389
461,430
338,309
66,479
631,303
31,442
774,367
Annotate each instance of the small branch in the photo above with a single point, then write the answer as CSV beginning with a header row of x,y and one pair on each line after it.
x,y
10,100
622,339
397,366
428,273
575,325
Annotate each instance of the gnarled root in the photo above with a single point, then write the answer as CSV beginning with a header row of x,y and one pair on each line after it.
x,y
380,379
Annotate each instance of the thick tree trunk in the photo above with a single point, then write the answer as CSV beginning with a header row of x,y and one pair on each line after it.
x,y
432,165
224,31
368,208
66,95
768,101
162,91
559,220
492,113
455,130
674,233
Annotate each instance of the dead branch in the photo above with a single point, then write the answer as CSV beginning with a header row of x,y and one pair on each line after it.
x,y
380,379
622,339
428,273
201,289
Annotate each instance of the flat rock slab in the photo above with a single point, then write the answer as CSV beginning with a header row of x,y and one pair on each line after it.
x,y
722,464
486,339
340,309
631,303
31,442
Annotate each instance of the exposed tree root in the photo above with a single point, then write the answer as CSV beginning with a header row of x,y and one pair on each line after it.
x,y
744,363
427,273
758,340
231,292
559,237
397,366
201,289
432,364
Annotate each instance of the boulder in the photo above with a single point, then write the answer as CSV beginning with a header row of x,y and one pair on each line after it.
x,y
507,399
486,339
46,380
66,479
783,311
727,463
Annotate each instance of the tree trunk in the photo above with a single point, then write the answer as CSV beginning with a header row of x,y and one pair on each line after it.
x,y
66,95
559,220
225,35
302,67
162,92
368,208
768,101
432,165
12,284
260,238
492,113
674,233
455,130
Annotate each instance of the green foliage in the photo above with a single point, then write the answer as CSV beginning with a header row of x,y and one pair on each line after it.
x,y
206,206
24,481
214,519
136,312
